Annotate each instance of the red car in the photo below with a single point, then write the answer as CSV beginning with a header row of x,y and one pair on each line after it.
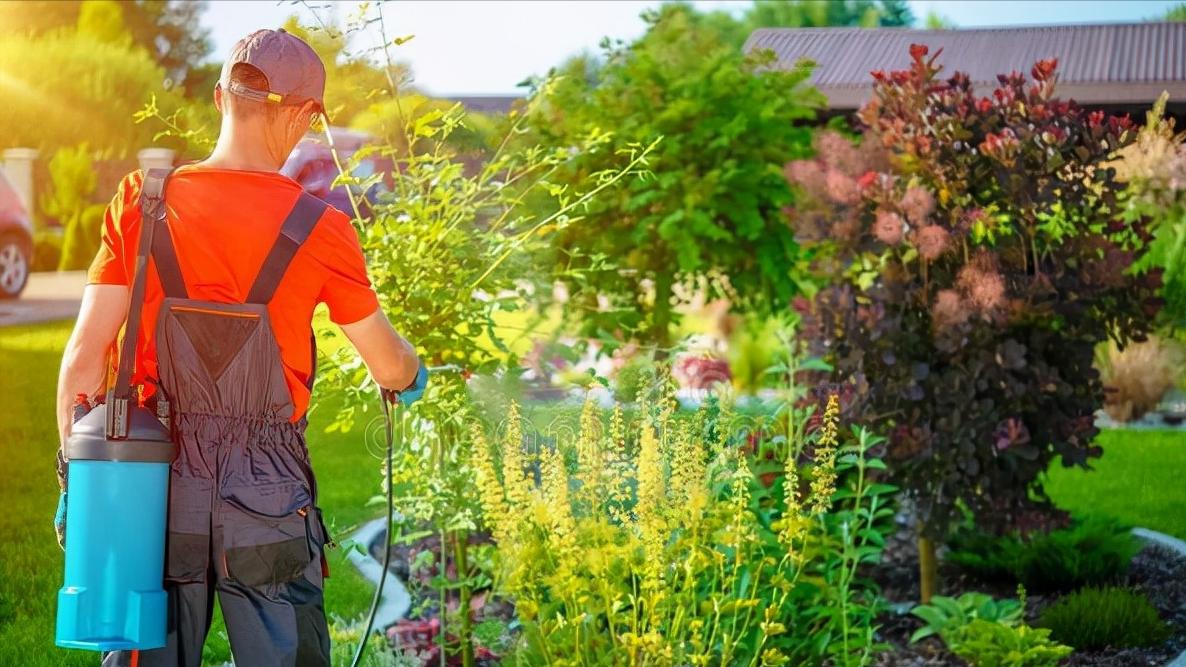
x,y
16,242
312,165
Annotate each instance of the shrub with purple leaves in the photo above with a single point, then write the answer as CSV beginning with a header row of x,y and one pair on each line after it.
x,y
973,268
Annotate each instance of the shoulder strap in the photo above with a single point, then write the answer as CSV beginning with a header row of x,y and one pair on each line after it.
x,y
164,258
152,210
296,228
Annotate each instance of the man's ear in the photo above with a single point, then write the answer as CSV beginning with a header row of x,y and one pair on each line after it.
x,y
218,97
309,110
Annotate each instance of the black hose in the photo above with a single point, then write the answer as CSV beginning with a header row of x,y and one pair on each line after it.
x,y
387,400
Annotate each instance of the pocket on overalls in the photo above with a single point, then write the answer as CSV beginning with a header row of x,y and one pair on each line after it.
x,y
188,543
318,539
265,533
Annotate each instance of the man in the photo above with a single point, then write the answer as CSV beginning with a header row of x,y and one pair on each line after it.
x,y
239,262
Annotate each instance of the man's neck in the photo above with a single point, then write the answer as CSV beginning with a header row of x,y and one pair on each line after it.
x,y
242,149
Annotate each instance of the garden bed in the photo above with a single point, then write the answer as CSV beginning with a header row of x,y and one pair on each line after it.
x,y
1156,572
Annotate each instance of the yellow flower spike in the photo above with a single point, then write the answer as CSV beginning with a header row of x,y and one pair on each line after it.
x,y
772,629
772,658
617,430
823,481
651,501
590,459
514,479
494,505
557,508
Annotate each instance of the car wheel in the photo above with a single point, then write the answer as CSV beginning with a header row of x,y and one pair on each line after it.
x,y
14,266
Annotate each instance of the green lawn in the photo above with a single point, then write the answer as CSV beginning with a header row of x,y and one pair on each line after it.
x,y
30,561
1139,480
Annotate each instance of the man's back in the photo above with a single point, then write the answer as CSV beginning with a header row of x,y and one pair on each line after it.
x,y
223,223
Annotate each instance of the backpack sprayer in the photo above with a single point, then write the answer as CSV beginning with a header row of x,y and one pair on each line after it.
x,y
392,412
120,452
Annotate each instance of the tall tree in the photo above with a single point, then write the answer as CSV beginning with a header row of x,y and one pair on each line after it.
x,y
712,218
169,30
1175,13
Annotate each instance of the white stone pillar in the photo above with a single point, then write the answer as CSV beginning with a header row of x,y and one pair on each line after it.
x,y
155,158
18,167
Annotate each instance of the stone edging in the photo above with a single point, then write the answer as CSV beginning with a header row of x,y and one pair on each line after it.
x,y
396,602
1177,546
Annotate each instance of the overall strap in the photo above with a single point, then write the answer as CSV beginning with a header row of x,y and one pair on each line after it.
x,y
164,257
296,228
152,210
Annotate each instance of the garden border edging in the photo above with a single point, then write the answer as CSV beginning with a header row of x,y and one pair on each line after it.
x,y
1177,546
396,601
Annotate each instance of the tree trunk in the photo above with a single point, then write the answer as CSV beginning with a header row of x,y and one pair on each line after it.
x,y
928,568
660,333
461,562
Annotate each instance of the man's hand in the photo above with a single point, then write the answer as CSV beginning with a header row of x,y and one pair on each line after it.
x,y
60,521
415,391
412,392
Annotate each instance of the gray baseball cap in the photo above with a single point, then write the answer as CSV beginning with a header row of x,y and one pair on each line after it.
x,y
294,71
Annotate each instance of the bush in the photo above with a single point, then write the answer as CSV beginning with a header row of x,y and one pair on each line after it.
x,y
1137,377
710,222
971,280
1092,552
1154,167
47,250
945,614
632,377
1104,617
986,644
72,185
81,239
988,632
71,88
660,547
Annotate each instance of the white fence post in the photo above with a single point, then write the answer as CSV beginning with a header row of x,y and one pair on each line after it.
x,y
18,166
155,158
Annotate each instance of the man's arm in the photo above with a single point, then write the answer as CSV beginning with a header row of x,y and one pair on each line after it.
x,y
84,364
391,360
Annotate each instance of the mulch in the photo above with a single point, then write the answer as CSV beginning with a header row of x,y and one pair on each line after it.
x,y
1156,572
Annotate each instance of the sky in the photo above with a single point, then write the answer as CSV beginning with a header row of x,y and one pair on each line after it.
x,y
487,47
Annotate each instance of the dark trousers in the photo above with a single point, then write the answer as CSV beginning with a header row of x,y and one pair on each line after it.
x,y
280,625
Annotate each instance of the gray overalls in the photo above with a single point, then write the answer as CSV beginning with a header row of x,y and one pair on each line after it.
x,y
243,518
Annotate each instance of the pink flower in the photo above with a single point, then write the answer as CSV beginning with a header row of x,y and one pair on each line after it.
x,y
932,241
888,227
949,310
838,153
917,204
809,175
985,289
841,188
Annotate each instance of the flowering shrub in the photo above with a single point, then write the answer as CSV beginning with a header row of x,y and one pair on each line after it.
x,y
653,544
975,263
1154,167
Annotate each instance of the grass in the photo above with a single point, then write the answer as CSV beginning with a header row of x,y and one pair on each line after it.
x,y
30,561
1138,480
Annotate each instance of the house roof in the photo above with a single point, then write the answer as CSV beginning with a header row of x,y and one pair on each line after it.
x,y
1106,64
487,103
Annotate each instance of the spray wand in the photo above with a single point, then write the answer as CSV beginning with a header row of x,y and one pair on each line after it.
x,y
392,412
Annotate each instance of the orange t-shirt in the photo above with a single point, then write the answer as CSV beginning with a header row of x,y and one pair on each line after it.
x,y
223,224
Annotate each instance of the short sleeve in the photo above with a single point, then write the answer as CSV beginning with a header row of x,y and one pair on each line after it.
x,y
117,245
347,291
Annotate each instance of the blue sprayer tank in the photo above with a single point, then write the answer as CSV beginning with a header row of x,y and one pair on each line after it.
x,y
117,502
